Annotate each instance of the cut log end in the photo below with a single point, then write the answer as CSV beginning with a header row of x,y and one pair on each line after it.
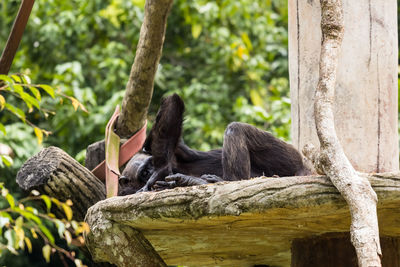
x,y
37,170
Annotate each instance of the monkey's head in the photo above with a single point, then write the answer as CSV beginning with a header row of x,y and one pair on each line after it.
x,y
136,173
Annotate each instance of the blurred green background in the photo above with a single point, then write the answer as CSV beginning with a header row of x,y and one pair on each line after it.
x,y
227,59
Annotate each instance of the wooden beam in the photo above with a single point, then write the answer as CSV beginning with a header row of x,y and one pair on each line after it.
x,y
15,36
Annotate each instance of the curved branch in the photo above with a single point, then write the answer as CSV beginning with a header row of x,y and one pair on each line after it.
x,y
139,89
356,190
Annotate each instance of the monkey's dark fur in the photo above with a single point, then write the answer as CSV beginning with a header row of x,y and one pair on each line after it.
x,y
166,162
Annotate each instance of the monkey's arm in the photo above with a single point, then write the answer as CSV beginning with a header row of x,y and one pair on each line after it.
x,y
182,180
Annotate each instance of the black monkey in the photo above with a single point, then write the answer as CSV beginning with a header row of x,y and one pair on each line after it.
x,y
166,162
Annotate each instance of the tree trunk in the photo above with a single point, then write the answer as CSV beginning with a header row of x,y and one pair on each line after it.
x,y
365,106
139,89
331,159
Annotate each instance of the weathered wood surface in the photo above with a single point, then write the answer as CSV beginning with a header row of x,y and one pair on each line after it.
x,y
366,92
55,173
236,223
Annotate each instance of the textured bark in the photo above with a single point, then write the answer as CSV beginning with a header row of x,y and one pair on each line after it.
x,y
95,154
139,89
55,173
366,95
241,223
15,37
331,159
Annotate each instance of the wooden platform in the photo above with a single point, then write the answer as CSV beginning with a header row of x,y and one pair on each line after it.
x,y
240,223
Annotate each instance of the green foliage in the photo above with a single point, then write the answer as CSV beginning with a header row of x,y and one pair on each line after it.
x,y
227,59
21,222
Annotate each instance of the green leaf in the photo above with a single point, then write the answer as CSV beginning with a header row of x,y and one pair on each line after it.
x,y
17,111
10,237
46,250
48,89
26,79
39,135
7,160
28,244
4,221
47,233
30,216
3,129
16,78
68,211
60,227
29,100
47,201
6,78
10,200
247,41
196,30
2,102
35,92
17,88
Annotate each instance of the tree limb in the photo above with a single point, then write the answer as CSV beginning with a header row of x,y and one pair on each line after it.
x,y
355,189
139,89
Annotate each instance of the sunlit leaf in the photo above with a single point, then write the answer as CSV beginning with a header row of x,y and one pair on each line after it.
x,y
256,99
4,221
17,88
35,192
68,237
35,92
26,79
68,211
69,202
7,160
47,201
78,263
34,234
28,244
15,110
46,250
39,135
196,30
16,78
10,237
6,78
29,100
247,41
48,89
10,200
47,233
60,227
2,102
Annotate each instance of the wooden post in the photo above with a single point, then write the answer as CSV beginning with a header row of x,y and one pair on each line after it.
x,y
366,92
15,36
365,104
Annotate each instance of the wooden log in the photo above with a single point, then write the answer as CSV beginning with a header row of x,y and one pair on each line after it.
x,y
55,173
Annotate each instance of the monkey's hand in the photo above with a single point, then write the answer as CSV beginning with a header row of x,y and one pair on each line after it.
x,y
179,180
211,178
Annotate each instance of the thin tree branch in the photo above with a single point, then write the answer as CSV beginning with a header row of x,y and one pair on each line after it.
x,y
139,89
356,190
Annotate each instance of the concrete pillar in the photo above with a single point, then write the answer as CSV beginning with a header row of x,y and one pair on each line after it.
x,y
366,101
